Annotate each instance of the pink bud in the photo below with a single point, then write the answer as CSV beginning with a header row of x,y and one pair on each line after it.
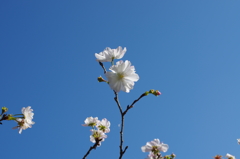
x,y
157,93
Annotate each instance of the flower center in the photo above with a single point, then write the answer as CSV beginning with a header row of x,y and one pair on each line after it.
x,y
21,123
102,128
96,135
120,76
92,124
155,149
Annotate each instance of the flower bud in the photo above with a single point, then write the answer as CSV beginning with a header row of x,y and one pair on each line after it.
x,y
146,93
217,157
4,110
100,79
151,91
157,93
173,155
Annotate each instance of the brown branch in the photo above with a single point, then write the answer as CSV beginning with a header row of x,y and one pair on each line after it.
x,y
104,69
3,117
131,106
122,120
122,126
91,148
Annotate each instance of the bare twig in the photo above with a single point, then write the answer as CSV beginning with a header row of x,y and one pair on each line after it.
x,y
104,69
3,117
131,106
91,148
122,126
122,121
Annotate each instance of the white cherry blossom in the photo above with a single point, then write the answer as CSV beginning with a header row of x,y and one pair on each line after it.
x,y
104,125
230,156
26,121
155,145
108,55
28,114
151,155
90,121
238,140
97,135
122,76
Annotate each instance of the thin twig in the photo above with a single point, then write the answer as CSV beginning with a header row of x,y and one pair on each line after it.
x,y
122,126
131,106
122,120
3,117
104,69
91,148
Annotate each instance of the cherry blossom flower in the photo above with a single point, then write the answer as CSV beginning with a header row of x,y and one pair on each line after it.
x,y
122,76
151,155
97,136
28,114
155,146
238,140
108,55
104,125
26,121
230,156
90,121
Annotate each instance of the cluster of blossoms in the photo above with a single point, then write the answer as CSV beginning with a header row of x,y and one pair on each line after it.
x,y
154,148
121,78
122,75
24,121
228,156
108,55
99,128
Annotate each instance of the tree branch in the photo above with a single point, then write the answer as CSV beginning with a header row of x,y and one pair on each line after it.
x,y
104,69
122,121
91,148
122,126
131,106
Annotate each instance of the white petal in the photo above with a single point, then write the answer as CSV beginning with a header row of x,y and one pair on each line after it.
x,y
120,52
146,148
133,77
20,130
163,148
92,139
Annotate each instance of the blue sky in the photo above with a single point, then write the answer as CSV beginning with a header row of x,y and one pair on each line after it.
x,y
189,50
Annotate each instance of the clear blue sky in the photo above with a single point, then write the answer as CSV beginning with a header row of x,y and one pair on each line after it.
x,y
187,49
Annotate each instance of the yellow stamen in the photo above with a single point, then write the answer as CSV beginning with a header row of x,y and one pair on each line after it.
x,y
120,75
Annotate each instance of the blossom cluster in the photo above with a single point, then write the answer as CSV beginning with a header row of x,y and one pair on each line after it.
x,y
154,148
99,128
122,75
228,156
23,120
